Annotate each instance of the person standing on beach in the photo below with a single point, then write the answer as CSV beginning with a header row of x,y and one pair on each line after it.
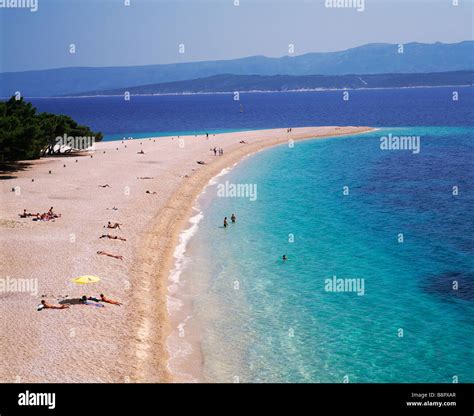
x,y
225,222
215,151
233,218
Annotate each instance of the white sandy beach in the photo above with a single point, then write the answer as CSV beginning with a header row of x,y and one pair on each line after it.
x,y
116,343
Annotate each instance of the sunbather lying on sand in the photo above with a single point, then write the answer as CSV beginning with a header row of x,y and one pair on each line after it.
x,y
85,301
42,217
114,225
46,216
152,193
26,214
47,305
104,253
107,300
90,298
200,162
141,152
105,186
145,177
113,237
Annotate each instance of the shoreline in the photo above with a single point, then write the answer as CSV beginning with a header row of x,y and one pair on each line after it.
x,y
185,224
249,92
128,342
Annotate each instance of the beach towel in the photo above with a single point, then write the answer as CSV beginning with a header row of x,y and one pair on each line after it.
x,y
98,305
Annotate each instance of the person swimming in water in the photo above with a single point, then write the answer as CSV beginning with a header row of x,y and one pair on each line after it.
x,y
233,218
284,258
225,222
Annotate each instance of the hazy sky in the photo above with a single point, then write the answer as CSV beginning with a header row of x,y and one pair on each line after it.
x,y
108,33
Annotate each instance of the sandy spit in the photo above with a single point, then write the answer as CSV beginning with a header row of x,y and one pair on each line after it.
x,y
38,259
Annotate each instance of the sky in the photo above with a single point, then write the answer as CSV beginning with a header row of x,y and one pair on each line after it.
x,y
110,33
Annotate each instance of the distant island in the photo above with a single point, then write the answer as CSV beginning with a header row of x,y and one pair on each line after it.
x,y
373,58
275,83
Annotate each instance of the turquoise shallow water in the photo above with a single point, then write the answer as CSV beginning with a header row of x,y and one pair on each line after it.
x,y
257,319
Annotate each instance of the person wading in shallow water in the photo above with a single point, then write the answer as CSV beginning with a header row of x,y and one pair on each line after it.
x,y
233,218
225,222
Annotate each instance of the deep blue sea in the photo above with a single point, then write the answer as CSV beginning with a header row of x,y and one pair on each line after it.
x,y
400,222
164,115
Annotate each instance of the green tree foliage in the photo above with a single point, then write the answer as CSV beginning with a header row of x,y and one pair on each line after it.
x,y
26,134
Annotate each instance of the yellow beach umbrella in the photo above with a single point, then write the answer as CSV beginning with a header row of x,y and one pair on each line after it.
x,y
83,280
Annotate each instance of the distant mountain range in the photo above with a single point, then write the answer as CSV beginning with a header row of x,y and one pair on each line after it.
x,y
242,83
374,58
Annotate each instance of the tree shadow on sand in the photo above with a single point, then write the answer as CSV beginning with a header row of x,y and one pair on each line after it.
x,y
8,169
